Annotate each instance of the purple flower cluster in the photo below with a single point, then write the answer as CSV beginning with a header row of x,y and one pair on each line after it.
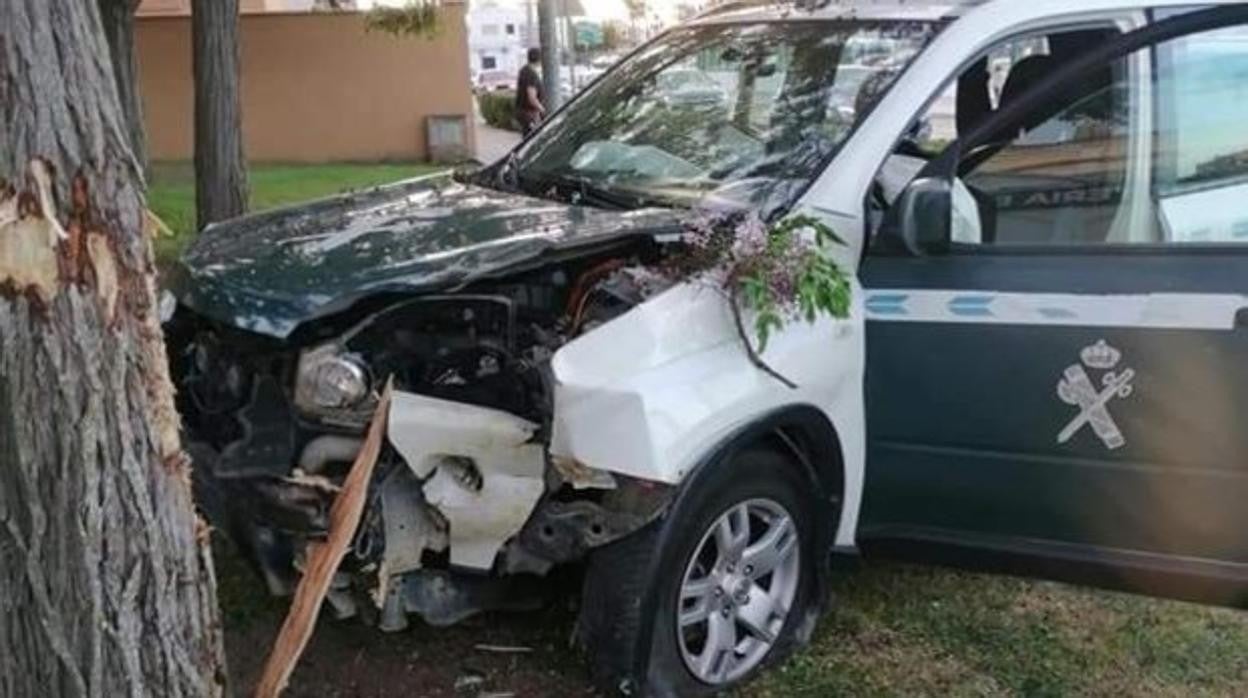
x,y
700,230
750,238
774,260
744,249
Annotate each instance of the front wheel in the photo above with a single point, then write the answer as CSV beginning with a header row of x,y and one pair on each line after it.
x,y
729,573
738,590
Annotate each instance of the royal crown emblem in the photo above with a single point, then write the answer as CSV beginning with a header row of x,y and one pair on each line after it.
x,y
1100,356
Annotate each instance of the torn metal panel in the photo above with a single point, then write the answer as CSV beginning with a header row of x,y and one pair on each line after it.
x,y
566,531
581,476
411,527
483,471
443,599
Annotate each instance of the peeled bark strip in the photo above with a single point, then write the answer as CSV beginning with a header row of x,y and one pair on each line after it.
x,y
220,165
106,583
323,560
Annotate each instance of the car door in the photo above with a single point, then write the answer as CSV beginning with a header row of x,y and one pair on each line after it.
x,y
1061,387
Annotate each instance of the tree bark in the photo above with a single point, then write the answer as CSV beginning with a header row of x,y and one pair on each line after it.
x,y
106,581
220,164
118,18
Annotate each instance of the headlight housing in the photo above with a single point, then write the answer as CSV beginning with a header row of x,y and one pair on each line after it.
x,y
330,380
167,305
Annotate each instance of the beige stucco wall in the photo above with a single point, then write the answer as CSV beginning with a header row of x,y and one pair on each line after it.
x,y
315,86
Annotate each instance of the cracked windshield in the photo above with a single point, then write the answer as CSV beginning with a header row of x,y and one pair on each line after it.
x,y
724,116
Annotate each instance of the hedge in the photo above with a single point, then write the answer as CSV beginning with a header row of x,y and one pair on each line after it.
x,y
499,109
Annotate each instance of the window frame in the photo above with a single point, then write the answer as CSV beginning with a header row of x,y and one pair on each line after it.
x,y
1219,17
1133,208
1126,20
1156,192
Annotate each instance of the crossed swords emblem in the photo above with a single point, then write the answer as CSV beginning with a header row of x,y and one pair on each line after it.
x,y
1077,388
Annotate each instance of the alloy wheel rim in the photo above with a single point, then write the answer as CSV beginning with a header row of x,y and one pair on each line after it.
x,y
737,591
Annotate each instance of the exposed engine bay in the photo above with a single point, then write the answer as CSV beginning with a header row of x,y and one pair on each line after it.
x,y
468,508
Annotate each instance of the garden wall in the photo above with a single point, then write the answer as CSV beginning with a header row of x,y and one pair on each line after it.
x,y
315,86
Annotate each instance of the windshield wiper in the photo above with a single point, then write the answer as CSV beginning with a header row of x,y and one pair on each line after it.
x,y
586,190
507,177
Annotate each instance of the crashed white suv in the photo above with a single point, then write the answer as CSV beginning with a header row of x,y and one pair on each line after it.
x,y
1045,205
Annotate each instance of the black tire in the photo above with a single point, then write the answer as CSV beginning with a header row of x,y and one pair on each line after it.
x,y
631,587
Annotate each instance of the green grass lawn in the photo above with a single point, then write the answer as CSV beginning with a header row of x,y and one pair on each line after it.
x,y
896,630
171,191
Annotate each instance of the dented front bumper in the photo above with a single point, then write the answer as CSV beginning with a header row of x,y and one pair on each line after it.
x,y
466,511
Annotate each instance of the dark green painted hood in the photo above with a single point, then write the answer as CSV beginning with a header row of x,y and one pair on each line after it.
x,y
271,272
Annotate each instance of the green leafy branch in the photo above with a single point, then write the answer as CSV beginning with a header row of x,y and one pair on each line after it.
x,y
780,272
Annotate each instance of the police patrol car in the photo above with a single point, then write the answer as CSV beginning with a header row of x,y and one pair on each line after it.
x,y
1046,207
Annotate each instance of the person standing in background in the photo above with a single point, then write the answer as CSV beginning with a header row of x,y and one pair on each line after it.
x,y
530,102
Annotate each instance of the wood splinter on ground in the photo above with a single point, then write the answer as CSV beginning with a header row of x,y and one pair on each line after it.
x,y
323,560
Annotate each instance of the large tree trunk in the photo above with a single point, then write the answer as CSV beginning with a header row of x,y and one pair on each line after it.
x,y
220,165
118,18
106,582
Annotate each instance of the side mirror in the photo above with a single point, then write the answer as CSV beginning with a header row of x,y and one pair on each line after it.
x,y
920,221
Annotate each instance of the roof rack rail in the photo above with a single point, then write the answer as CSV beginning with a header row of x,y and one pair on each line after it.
x,y
812,5
733,5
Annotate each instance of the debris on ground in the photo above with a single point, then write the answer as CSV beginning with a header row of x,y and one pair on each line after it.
x,y
504,649
469,683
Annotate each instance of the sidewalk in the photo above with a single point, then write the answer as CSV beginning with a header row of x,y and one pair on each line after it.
x,y
493,143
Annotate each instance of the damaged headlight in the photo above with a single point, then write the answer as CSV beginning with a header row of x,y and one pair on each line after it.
x,y
167,306
330,380
339,382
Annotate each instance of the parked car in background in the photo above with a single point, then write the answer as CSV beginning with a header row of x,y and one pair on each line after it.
x,y
573,80
1042,370
494,81
604,61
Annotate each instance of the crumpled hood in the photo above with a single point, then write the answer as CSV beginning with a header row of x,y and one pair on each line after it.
x,y
270,272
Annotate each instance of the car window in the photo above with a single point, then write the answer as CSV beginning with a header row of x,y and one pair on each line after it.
x,y
1200,168
1072,172
979,91
743,114
1000,76
1060,178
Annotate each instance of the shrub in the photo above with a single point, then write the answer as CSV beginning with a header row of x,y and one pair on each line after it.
x,y
417,18
499,109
